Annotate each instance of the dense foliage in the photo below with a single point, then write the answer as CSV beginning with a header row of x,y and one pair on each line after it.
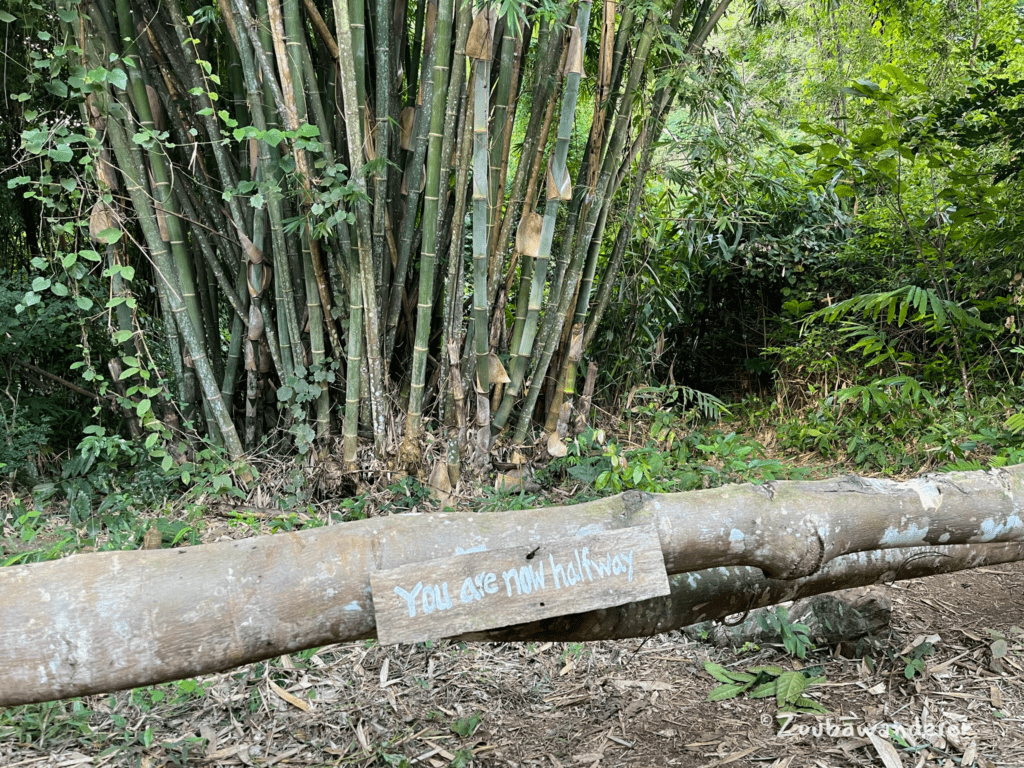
x,y
317,233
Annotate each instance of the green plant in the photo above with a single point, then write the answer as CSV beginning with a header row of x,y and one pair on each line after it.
x,y
795,637
571,651
915,661
639,469
507,499
788,687
465,726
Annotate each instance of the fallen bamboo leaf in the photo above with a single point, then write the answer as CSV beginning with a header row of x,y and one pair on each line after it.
x,y
295,701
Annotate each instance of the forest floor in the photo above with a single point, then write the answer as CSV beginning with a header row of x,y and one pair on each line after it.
x,y
602,704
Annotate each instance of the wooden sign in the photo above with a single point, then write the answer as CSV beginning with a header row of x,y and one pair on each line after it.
x,y
497,588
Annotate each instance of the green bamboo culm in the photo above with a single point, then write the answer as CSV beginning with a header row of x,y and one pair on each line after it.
x,y
289,248
559,189
478,51
360,266
428,251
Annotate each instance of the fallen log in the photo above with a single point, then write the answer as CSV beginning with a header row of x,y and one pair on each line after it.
x,y
100,622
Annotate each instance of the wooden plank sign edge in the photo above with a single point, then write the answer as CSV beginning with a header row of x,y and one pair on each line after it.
x,y
474,591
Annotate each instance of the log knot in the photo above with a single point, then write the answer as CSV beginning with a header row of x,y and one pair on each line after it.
x,y
633,501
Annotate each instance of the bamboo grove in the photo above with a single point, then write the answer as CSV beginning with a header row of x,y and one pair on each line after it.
x,y
374,218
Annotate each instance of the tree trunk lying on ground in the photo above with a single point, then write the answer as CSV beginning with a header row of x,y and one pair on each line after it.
x,y
105,621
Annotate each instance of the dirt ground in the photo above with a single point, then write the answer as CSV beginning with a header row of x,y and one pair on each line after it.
x,y
604,704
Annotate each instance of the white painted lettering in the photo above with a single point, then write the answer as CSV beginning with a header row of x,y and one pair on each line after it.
x,y
526,578
629,559
586,563
410,597
571,575
490,583
538,576
427,602
469,592
557,572
508,576
604,568
444,602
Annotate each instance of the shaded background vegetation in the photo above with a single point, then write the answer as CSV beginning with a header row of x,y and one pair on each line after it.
x,y
812,217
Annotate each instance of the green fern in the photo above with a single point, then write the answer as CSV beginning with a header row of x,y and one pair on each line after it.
x,y
895,307
1015,423
708,405
881,393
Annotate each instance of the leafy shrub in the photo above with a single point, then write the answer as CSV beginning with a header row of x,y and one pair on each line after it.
x,y
39,418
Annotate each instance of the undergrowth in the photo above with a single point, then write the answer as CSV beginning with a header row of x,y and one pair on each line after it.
x,y
894,427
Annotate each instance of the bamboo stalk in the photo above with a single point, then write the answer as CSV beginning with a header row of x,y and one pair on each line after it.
x,y
288,331
130,162
363,238
164,202
382,143
415,167
558,190
478,50
503,115
555,317
288,31
428,252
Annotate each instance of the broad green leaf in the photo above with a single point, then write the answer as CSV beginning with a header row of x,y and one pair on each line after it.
x,y
727,691
61,154
764,690
810,705
465,726
110,235
741,677
768,669
717,671
789,687
828,151
6,17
